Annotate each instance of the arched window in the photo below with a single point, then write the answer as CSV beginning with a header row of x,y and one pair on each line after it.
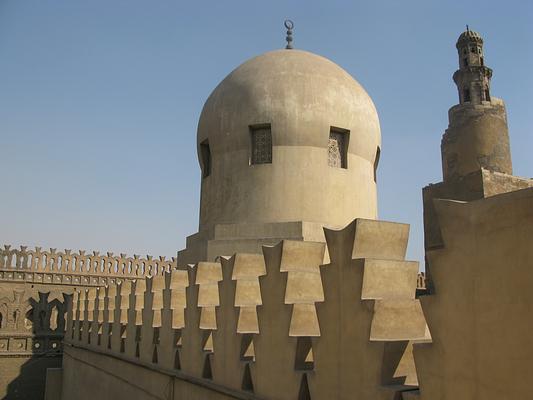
x,y
1,320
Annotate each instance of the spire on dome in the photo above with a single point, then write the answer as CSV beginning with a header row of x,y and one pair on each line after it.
x,y
289,25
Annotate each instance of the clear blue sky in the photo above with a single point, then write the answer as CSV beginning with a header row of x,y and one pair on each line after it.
x,y
99,102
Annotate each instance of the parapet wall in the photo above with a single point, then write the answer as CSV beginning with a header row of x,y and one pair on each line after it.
x,y
56,267
275,326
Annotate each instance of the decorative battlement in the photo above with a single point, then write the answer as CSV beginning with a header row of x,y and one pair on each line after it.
x,y
56,267
250,320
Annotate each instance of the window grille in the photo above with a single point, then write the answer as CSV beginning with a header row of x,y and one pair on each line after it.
x,y
261,145
337,149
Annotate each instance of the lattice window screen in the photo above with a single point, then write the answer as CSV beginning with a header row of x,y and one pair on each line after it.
x,y
337,149
261,145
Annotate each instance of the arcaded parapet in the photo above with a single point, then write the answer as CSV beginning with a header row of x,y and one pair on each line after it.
x,y
480,315
273,326
68,268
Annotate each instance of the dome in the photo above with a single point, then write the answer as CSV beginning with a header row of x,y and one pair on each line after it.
x,y
295,91
469,36
298,100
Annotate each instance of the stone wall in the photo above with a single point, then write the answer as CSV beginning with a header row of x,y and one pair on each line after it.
x,y
274,326
480,311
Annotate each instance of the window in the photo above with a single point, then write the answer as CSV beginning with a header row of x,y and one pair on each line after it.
x,y
261,144
466,95
338,148
465,62
487,95
481,61
473,50
205,153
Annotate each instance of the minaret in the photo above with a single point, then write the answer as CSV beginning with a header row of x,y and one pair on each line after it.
x,y
477,136
476,158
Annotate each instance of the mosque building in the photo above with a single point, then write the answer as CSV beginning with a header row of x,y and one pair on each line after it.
x,y
292,288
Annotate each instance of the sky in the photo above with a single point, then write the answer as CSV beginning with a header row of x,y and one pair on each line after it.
x,y
99,103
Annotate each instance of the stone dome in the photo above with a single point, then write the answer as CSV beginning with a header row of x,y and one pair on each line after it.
x,y
469,36
297,100
296,91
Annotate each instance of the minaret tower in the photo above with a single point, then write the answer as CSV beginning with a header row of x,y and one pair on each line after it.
x,y
477,136
476,158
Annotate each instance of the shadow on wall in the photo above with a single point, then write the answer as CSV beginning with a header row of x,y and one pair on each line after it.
x,y
30,383
31,333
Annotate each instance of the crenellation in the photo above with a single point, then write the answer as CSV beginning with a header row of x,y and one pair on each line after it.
x,y
239,309
67,268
